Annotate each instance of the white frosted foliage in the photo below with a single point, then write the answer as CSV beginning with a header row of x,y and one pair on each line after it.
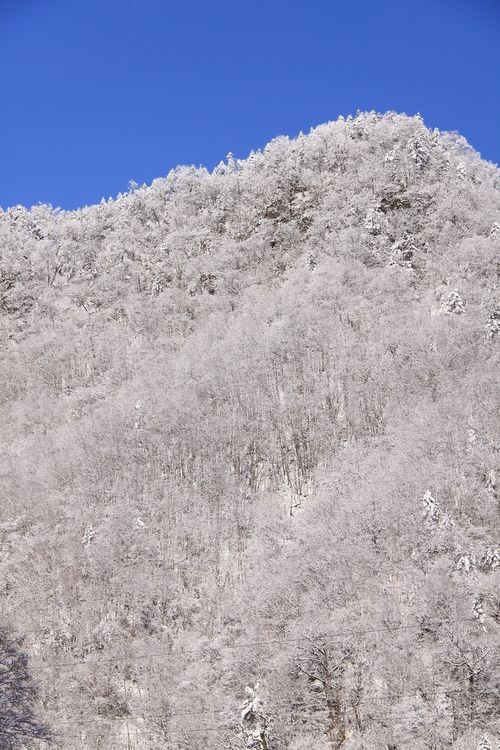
x,y
491,559
495,229
484,744
466,562
478,611
420,152
311,261
471,436
433,515
453,304
445,522
184,368
374,221
402,251
493,322
251,704
491,481
254,720
88,535
392,155
429,504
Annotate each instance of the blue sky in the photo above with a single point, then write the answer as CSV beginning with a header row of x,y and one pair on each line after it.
x,y
95,93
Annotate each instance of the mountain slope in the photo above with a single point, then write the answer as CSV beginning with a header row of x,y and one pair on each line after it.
x,y
250,422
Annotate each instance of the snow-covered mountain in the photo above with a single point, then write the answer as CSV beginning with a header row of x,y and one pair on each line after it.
x,y
249,473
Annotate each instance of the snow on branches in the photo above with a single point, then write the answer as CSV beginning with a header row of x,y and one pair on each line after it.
x,y
491,559
453,304
255,722
374,221
484,743
495,229
88,535
433,515
493,322
402,251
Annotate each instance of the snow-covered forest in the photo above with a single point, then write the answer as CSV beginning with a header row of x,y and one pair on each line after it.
x,y
249,466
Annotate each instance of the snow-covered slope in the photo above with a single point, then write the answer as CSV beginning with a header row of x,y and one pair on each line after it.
x,y
250,449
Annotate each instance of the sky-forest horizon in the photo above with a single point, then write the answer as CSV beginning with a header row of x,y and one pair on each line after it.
x,y
249,465
249,375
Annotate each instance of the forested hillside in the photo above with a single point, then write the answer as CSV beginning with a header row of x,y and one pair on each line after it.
x,y
250,451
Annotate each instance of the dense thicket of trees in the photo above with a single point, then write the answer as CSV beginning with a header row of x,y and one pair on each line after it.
x,y
250,477
19,724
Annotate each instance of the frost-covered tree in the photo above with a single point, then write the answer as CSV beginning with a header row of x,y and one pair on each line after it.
x,y
495,229
493,323
484,743
466,562
453,304
88,535
311,261
432,513
325,671
491,559
478,611
374,221
402,251
491,482
255,721
20,726
420,150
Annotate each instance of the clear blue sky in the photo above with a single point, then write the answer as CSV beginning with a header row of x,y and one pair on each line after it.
x,y
95,93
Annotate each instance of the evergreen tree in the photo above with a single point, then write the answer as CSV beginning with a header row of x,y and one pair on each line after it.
x,y
495,229
453,304
493,323
255,722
